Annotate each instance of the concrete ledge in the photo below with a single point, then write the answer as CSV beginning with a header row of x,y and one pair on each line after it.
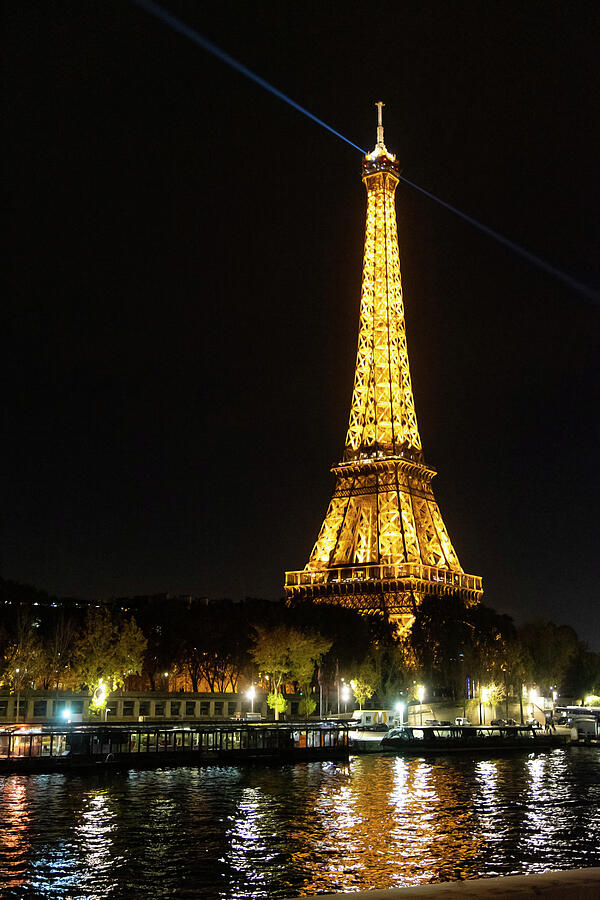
x,y
575,884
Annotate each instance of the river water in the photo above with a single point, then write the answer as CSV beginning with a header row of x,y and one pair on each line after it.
x,y
274,832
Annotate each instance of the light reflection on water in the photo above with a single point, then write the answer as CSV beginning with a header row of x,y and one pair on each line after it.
x,y
273,832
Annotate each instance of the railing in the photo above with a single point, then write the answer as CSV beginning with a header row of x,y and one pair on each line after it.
x,y
374,572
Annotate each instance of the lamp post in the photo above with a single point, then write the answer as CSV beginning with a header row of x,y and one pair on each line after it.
x,y
421,697
400,711
533,695
250,693
18,695
345,695
484,696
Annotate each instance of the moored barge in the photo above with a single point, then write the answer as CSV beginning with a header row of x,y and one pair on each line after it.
x,y
35,748
440,739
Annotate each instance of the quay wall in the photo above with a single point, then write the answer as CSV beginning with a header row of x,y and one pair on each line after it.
x,y
578,884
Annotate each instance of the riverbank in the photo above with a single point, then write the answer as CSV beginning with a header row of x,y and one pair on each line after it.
x,y
579,884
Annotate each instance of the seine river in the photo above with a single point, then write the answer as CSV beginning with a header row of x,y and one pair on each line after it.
x,y
240,832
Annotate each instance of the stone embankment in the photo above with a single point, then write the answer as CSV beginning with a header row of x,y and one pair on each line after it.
x,y
578,884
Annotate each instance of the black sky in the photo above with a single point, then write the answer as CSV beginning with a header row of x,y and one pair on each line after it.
x,y
184,265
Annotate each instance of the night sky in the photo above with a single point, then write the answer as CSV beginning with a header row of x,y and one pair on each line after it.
x,y
184,268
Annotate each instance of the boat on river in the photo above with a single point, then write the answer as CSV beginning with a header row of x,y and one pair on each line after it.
x,y
440,739
39,748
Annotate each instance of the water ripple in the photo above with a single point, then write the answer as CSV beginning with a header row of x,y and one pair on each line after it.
x,y
235,833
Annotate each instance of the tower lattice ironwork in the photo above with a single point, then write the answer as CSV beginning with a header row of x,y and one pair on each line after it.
x,y
383,544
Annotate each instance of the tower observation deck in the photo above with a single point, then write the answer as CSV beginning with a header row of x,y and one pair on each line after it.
x,y
383,544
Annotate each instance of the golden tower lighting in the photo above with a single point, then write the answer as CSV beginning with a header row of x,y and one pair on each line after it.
x,y
383,544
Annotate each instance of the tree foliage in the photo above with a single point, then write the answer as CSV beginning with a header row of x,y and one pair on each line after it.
x,y
107,650
363,686
22,662
285,654
215,646
453,641
552,648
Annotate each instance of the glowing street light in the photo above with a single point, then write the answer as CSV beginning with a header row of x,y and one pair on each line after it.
x,y
345,695
100,693
99,698
250,694
421,697
483,699
400,711
533,695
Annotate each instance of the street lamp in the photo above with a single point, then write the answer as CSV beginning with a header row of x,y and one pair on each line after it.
x,y
400,711
421,697
345,695
250,694
533,695
485,694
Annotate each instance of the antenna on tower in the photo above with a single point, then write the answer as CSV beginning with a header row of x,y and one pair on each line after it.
x,y
380,104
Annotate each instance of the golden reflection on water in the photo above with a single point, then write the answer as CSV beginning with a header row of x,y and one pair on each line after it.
x,y
273,832
14,827
410,822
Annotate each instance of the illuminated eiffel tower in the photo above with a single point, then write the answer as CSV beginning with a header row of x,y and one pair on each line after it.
x,y
383,544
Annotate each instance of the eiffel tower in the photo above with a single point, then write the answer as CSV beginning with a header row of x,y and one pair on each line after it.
x,y
383,545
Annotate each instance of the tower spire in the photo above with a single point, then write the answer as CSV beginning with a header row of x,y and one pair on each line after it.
x,y
383,544
380,106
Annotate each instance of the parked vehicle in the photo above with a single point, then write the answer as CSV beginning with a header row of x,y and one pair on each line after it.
x,y
373,719
460,720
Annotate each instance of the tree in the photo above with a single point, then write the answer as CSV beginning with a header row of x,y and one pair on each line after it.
x,y
307,706
452,640
439,636
582,677
353,636
106,651
212,650
286,654
22,661
517,664
552,648
164,623
394,667
57,639
363,686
